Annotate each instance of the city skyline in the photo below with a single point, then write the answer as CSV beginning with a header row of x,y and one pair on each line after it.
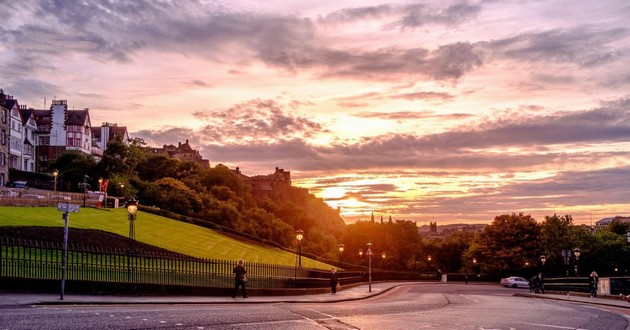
x,y
449,112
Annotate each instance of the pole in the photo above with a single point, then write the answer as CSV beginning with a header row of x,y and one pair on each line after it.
x,y
370,273
64,256
300,254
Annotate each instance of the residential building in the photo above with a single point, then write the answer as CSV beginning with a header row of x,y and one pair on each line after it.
x,y
101,136
60,129
4,139
29,143
16,136
605,222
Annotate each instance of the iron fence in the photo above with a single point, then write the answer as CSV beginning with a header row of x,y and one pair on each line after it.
x,y
44,260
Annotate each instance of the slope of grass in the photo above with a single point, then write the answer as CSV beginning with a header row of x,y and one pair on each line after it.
x,y
152,229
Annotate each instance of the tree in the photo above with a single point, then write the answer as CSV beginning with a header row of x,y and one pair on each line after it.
x,y
508,244
73,167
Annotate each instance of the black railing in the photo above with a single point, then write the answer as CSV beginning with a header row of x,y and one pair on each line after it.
x,y
43,260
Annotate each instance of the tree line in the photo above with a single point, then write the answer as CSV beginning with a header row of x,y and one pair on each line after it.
x,y
511,245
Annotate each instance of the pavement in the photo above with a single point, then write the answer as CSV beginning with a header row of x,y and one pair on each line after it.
x,y
357,292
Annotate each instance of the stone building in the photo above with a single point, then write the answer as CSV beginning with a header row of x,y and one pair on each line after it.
x,y
275,184
183,152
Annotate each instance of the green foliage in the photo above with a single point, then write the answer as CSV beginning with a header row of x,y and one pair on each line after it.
x,y
176,236
73,166
508,244
400,240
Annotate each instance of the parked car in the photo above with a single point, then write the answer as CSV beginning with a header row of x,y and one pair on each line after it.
x,y
33,196
8,194
515,282
19,184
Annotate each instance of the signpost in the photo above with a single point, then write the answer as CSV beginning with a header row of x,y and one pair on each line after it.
x,y
65,208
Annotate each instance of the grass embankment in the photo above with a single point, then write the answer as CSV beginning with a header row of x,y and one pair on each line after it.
x,y
162,232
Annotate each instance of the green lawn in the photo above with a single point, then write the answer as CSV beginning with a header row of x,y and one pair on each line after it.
x,y
156,230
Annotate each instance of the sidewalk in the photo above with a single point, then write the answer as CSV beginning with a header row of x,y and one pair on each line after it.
x,y
605,300
349,294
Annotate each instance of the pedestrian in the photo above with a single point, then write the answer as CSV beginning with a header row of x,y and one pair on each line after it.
x,y
593,279
240,278
541,283
533,284
334,281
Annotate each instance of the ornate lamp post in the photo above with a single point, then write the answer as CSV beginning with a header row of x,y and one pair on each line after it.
x,y
369,254
55,174
576,252
341,248
299,235
132,208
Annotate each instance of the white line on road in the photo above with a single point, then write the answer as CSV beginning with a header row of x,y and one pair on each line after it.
x,y
552,326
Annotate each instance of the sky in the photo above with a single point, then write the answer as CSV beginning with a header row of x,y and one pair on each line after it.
x,y
431,111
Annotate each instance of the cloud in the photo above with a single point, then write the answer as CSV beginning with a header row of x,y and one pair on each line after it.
x,y
583,46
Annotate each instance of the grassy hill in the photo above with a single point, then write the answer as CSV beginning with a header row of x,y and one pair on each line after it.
x,y
155,230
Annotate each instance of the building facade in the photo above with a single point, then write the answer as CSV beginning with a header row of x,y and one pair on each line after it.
x,y
4,140
183,152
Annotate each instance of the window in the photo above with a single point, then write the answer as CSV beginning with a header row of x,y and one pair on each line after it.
x,y
5,115
3,159
44,140
3,137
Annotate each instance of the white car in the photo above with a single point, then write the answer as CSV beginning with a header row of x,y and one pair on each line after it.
x,y
515,282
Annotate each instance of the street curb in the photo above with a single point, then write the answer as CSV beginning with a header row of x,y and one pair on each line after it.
x,y
96,303
603,302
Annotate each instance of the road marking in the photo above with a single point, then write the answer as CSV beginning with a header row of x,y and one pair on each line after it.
x,y
553,326
467,297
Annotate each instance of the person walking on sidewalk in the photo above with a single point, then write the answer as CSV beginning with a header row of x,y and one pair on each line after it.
x,y
240,278
334,280
593,279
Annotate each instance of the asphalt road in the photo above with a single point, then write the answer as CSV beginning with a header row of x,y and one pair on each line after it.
x,y
418,306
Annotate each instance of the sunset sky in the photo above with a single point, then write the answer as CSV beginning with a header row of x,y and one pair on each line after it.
x,y
430,111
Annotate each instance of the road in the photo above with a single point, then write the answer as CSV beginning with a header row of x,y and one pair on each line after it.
x,y
418,306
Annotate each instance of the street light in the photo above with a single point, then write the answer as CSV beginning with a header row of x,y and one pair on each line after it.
x,y
576,252
341,248
369,254
100,184
132,208
55,174
122,185
299,235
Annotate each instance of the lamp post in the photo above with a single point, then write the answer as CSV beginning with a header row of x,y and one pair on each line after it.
x,y
341,248
576,252
566,255
100,184
299,235
122,185
132,208
55,174
369,254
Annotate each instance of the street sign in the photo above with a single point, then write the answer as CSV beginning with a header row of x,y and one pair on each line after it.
x,y
67,207
369,252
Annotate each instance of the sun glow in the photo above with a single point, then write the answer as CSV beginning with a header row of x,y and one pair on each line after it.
x,y
333,193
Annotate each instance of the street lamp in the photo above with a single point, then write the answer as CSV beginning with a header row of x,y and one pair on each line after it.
x,y
132,208
369,254
122,185
100,184
55,174
299,235
341,248
576,252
